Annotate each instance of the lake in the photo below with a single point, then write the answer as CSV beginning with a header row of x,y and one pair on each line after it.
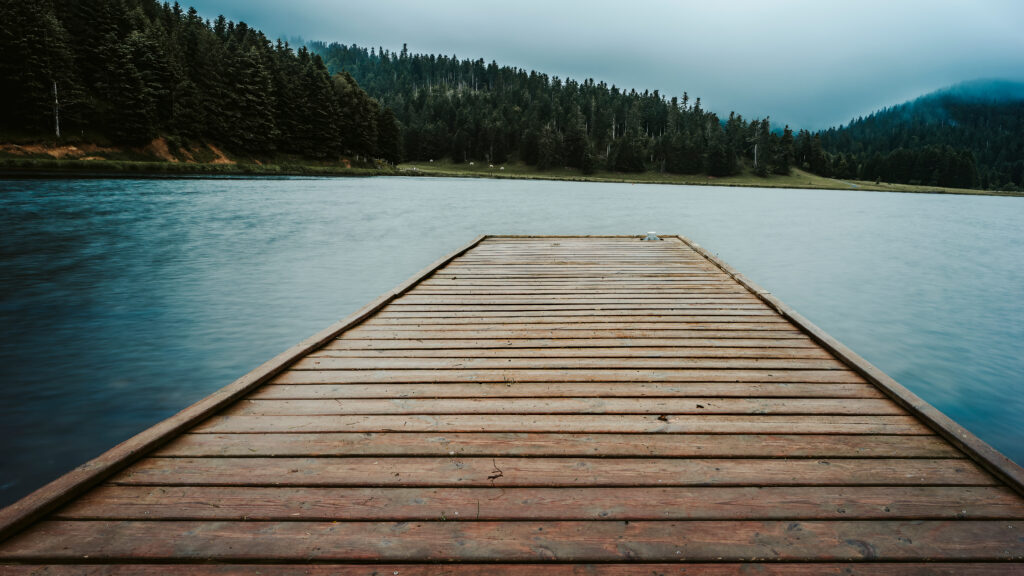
x,y
123,301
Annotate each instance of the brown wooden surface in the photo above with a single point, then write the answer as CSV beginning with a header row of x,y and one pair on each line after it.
x,y
614,406
527,541
566,390
634,569
528,444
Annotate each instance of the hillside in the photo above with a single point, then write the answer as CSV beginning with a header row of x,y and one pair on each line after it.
x,y
472,111
127,72
968,135
464,111
139,81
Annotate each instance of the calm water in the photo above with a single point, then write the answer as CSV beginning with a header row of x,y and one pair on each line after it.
x,y
122,301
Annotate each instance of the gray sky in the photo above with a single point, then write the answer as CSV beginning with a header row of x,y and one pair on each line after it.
x,y
808,63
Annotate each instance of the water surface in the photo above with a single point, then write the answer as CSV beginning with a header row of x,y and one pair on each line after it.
x,y
123,301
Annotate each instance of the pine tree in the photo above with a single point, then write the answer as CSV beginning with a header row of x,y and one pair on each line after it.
x,y
783,158
389,136
36,57
720,161
763,152
628,154
549,149
575,139
589,163
249,108
819,163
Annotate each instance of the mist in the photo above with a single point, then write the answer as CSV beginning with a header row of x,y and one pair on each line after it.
x,y
807,64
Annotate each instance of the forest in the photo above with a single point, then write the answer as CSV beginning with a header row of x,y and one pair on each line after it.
x,y
468,110
128,71
969,135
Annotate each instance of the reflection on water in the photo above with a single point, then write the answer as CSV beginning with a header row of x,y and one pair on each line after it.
x,y
123,301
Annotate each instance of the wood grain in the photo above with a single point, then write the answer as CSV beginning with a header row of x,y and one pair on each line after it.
x,y
541,405
514,471
570,541
532,444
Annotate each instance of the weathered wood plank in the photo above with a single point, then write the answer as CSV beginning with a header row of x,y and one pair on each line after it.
x,y
473,471
628,322
511,376
593,352
719,311
636,569
518,265
524,444
719,323
695,323
570,363
709,295
590,276
766,333
570,423
648,503
571,541
638,306
563,390
655,406
679,288
454,281
693,309
344,343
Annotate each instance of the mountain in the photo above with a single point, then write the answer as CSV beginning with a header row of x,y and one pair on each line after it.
x,y
469,110
967,135
128,71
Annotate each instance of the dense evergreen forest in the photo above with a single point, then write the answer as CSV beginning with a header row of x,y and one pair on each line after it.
x,y
127,71
467,110
970,135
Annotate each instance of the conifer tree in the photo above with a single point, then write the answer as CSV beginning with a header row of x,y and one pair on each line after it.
x,y
783,158
389,136
131,70
36,57
575,140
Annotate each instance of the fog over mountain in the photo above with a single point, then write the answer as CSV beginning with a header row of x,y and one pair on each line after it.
x,y
810,64
986,89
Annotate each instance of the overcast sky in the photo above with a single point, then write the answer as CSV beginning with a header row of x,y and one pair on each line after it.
x,y
808,63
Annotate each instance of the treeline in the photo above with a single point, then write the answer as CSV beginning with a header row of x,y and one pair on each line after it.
x,y
467,110
928,165
133,70
957,137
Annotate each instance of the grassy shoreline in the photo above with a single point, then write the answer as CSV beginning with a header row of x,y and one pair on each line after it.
x,y
75,168
796,179
35,167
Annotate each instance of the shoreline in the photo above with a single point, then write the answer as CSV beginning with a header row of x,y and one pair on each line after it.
x,y
43,168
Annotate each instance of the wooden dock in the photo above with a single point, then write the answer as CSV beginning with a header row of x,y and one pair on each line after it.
x,y
544,405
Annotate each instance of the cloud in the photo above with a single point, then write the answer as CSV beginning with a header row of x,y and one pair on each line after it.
x,y
807,63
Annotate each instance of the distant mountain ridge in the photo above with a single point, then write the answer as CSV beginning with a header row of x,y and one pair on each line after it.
x,y
933,138
472,111
968,135
989,89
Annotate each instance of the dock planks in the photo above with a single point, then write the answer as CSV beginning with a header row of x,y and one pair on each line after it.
x,y
543,405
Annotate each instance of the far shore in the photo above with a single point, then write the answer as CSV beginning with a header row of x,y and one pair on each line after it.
x,y
45,167
796,179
